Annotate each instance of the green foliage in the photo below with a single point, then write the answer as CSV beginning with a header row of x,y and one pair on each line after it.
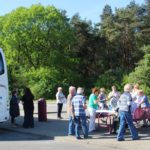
x,y
141,74
35,38
109,78
45,50
42,81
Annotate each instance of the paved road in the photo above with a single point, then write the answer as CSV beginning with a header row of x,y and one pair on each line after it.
x,y
10,135
53,135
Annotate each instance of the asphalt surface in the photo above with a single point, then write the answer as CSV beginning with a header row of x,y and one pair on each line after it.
x,y
53,134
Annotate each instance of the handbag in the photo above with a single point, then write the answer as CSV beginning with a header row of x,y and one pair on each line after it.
x,y
139,114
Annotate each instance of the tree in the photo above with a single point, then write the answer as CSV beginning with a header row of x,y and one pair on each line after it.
x,y
34,38
88,50
141,74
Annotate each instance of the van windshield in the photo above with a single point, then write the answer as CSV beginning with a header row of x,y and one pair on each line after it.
x,y
1,65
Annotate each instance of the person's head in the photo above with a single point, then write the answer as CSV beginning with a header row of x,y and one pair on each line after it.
x,y
95,91
72,90
136,86
127,87
140,92
113,88
80,90
14,92
102,90
27,91
59,89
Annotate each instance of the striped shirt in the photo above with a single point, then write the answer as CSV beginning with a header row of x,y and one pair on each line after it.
x,y
78,103
125,102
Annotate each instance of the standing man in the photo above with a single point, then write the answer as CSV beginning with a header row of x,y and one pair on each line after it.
x,y
78,112
71,127
124,105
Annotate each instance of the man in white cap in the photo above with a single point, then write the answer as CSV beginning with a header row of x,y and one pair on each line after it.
x,y
78,112
124,104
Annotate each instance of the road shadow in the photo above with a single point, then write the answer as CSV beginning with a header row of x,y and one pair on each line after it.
x,y
53,128
102,133
11,135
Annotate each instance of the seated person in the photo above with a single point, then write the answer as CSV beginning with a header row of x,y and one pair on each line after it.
x,y
142,103
142,99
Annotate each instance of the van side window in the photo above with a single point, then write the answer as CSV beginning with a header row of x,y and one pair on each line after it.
x,y
1,65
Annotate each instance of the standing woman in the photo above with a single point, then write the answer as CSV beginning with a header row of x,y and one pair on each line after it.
x,y
28,107
92,106
14,108
60,99
102,98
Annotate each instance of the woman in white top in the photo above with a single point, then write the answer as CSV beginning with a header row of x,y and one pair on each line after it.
x,y
60,99
134,95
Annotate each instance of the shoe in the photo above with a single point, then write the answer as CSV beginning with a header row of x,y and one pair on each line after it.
x,y
16,124
13,126
136,138
85,137
71,134
144,125
92,131
114,132
78,138
120,140
25,127
59,117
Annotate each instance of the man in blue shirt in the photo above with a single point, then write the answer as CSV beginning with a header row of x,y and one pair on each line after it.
x,y
124,104
78,111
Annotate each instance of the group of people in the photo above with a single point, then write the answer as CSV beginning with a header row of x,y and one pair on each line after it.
x,y
125,104
28,107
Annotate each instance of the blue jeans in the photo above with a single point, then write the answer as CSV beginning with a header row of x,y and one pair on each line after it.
x,y
125,117
80,121
71,127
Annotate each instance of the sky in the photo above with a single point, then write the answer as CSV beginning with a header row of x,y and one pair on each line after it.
x,y
87,9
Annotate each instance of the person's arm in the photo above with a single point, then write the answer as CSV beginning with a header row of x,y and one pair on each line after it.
x,y
84,103
72,109
96,101
129,100
110,95
141,102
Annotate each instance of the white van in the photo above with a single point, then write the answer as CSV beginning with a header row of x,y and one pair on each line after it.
x,y
4,93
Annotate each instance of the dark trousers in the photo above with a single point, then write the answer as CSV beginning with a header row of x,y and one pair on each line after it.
x,y
12,119
59,109
28,119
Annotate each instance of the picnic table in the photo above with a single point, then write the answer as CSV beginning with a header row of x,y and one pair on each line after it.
x,y
106,119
